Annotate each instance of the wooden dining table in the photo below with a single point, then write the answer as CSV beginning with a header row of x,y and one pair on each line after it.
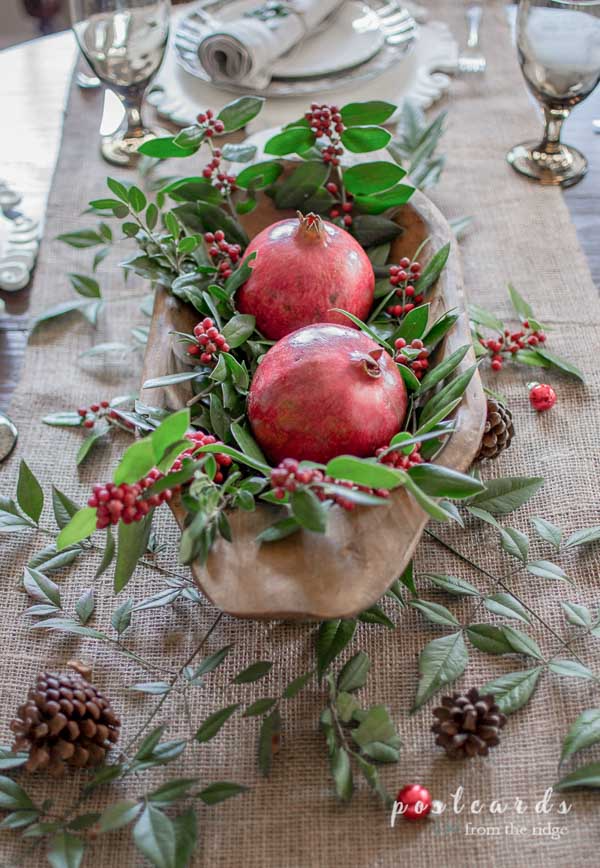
x,y
35,80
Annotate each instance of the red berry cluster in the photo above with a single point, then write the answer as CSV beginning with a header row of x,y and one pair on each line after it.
x,y
114,503
212,172
210,123
223,254
199,439
343,207
288,475
326,121
399,459
403,276
92,414
208,342
510,343
417,365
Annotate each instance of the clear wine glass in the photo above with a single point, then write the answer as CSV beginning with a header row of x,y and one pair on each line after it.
x,y
124,42
558,43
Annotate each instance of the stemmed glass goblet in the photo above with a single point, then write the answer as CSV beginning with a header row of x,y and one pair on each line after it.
x,y
558,43
124,42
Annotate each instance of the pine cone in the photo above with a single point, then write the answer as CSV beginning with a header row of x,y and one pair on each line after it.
x,y
64,721
468,724
498,432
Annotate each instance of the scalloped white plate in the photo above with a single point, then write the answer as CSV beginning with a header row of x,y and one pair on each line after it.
x,y
19,244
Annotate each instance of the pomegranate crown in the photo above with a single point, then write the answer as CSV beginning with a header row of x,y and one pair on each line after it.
x,y
369,362
311,225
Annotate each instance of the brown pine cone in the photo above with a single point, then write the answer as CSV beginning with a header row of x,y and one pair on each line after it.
x,y
468,724
498,432
64,721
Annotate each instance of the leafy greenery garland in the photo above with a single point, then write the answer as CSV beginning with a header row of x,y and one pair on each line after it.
x,y
354,736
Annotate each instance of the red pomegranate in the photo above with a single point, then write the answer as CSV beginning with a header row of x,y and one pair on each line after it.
x,y
304,267
325,390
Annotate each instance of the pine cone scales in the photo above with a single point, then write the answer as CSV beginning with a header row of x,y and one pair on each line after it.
x,y
64,721
468,724
498,432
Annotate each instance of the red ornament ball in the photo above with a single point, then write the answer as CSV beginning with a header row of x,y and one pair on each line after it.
x,y
415,802
304,268
542,397
325,390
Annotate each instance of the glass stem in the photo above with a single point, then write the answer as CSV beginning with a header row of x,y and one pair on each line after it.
x,y
132,101
555,117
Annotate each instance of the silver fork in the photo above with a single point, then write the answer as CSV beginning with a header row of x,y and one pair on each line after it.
x,y
472,59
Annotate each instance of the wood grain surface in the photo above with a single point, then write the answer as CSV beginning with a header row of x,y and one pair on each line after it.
x,y
340,573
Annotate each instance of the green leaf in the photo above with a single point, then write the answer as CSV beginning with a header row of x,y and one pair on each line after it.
x,y
247,443
19,819
152,688
341,771
238,329
361,139
521,643
154,836
332,638
170,380
64,508
441,661
289,141
59,310
439,329
363,327
108,554
583,733
547,570
583,537
425,502
515,543
372,177
413,325
171,431
137,461
354,672
40,587
374,615
84,606
132,542
507,493
513,691
240,153
270,731
81,526
164,148
370,229
13,797
453,585
119,814
364,472
586,776
298,684
433,269
213,723
483,317
260,707
87,444
548,531
438,481
570,669
29,493
577,614
63,420
376,726
308,510
172,790
562,365
450,392
506,606
81,239
65,851
240,112
259,175
121,617
280,530
301,184
373,112
210,663
522,308
487,638
64,625
235,453
254,672
435,612
444,369
220,791
377,203
86,286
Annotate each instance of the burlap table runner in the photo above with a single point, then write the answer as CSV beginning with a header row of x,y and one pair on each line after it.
x,y
292,820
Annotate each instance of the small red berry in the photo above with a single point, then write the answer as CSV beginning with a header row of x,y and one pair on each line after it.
x,y
404,262
89,423
542,397
82,412
414,802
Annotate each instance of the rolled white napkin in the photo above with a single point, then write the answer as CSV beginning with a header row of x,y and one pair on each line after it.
x,y
242,50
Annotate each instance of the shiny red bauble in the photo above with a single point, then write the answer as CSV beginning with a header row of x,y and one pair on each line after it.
x,y
325,390
542,397
415,802
304,268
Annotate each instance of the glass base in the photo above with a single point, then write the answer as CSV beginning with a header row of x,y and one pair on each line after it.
x,y
564,168
122,150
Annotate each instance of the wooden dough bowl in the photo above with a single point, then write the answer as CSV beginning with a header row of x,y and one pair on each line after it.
x,y
311,576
